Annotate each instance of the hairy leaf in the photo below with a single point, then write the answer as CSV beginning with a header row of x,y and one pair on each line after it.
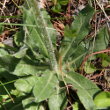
x,y
84,87
101,40
29,67
32,36
79,29
58,101
29,104
45,86
39,38
8,62
23,86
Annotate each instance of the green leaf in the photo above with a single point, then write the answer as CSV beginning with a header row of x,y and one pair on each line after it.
x,y
19,38
49,26
29,82
79,29
57,8
105,63
45,86
89,68
32,36
29,67
58,101
1,28
39,38
10,105
102,39
105,59
76,58
68,32
3,97
63,2
84,87
21,53
8,62
3,52
102,100
17,93
75,106
23,86
60,2
29,104
80,26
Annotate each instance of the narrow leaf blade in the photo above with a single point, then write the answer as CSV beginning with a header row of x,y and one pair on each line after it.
x,y
85,89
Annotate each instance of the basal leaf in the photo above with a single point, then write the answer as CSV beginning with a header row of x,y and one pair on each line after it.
x,y
79,29
19,37
29,67
49,26
21,53
8,62
39,38
45,86
76,58
32,35
101,40
23,86
68,32
84,87
31,80
3,52
17,93
58,101
80,26
29,104
81,23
